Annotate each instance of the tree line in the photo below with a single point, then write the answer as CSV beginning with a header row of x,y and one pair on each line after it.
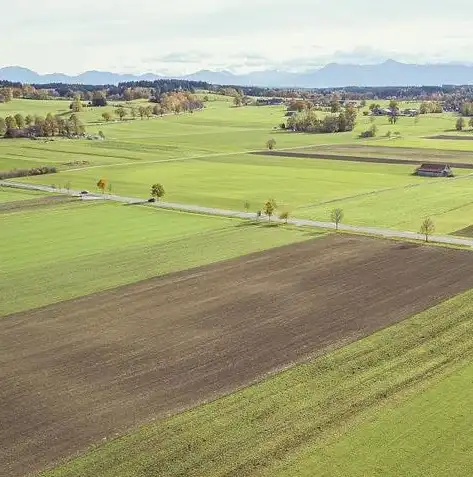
x,y
19,126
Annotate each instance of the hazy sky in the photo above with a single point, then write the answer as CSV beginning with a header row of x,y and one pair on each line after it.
x,y
186,35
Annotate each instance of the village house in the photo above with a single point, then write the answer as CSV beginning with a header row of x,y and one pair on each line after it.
x,y
434,170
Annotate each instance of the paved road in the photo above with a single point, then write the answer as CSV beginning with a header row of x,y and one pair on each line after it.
x,y
379,232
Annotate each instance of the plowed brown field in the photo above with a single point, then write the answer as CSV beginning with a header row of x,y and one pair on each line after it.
x,y
79,371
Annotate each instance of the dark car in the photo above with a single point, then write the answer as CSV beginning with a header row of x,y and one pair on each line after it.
x,y
84,192
152,199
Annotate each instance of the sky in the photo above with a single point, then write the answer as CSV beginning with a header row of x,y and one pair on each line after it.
x,y
184,36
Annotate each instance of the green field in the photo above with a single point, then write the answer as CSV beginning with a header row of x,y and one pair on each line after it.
x,y
397,396
12,195
200,158
56,253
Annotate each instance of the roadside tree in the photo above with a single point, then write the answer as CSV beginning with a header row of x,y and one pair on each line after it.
x,y
157,191
271,144
284,216
269,208
427,228
336,216
102,184
106,116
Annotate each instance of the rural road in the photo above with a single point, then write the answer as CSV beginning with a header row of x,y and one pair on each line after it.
x,y
374,231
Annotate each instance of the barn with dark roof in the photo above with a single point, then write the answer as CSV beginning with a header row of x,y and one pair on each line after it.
x,y
434,170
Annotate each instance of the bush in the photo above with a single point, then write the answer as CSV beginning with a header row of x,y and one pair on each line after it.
x,y
34,171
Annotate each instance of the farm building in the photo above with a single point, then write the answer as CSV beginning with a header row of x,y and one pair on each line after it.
x,y
434,170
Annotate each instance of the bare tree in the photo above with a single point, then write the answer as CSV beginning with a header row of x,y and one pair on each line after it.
x,y
427,228
247,206
336,216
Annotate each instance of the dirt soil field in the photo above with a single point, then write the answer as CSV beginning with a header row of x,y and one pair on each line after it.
x,y
453,138
17,205
350,157
466,232
433,155
80,371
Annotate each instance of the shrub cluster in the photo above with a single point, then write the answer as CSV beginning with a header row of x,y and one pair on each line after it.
x,y
34,171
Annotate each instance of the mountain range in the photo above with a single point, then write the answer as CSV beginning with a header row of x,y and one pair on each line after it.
x,y
388,73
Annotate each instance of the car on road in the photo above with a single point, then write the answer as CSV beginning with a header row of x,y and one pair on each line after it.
x,y
84,192
152,199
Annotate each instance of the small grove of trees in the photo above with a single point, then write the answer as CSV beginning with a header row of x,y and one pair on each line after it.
x,y
271,144
269,208
157,191
18,126
99,98
430,107
427,228
336,217
307,121
176,102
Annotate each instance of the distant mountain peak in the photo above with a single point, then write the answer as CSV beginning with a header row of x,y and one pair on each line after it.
x,y
332,75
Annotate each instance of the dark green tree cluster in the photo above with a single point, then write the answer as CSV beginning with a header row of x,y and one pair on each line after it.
x,y
19,126
308,121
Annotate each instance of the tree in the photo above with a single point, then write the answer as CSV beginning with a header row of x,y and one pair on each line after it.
x,y
3,127
237,101
120,112
336,216
133,112
20,121
271,144
157,191
269,207
470,123
247,206
142,112
10,121
148,111
99,98
460,124
102,184
427,228
106,116
101,135
29,120
284,216
76,105
109,188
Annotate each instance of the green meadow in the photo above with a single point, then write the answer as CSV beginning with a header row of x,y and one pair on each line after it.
x,y
202,159
58,252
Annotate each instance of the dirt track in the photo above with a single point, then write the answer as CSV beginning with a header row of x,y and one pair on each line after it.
x,y
452,138
79,371
351,158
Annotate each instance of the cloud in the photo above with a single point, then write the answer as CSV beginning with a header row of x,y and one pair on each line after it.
x,y
251,34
